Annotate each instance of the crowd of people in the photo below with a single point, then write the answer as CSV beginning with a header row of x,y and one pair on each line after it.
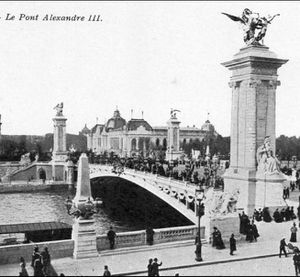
x,y
285,214
40,262
197,172
248,227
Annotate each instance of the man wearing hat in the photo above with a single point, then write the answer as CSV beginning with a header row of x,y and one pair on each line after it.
x,y
282,247
296,260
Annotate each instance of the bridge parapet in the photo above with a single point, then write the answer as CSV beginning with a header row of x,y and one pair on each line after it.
x,y
168,185
162,235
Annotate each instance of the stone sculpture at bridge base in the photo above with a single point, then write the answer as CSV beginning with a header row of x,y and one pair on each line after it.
x,y
221,212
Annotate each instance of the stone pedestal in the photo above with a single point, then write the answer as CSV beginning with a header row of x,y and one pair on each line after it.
x,y
253,83
84,236
229,224
84,233
269,192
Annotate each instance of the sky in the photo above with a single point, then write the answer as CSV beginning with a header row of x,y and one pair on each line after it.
x,y
142,56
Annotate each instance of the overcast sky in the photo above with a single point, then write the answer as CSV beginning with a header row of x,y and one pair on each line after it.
x,y
145,56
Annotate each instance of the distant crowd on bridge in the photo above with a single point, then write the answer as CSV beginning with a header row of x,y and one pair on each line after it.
x,y
197,172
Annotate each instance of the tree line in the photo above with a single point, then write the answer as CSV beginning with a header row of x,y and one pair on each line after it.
x,y
12,149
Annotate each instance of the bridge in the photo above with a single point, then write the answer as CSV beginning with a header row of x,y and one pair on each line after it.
x,y
178,194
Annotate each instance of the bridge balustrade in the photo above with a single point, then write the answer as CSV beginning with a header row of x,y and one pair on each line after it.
x,y
162,235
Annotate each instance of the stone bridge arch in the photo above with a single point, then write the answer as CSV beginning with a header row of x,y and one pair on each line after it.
x,y
159,186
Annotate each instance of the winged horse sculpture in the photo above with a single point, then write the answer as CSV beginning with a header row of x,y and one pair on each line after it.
x,y
251,22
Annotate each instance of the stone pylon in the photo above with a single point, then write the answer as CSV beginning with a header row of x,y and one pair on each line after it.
x,y
59,153
173,151
253,82
84,233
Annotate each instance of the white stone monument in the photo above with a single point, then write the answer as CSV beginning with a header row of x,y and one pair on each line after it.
x,y
59,153
173,152
253,83
84,233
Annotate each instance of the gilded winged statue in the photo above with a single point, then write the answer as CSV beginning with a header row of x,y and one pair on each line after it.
x,y
251,22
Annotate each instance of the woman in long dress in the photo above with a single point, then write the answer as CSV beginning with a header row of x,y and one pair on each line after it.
x,y
294,233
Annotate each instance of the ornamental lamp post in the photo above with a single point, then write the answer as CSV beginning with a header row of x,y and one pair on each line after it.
x,y
199,196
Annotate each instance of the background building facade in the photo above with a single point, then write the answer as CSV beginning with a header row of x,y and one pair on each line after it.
x,y
137,136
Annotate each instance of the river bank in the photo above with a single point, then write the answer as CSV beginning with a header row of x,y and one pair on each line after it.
x,y
24,187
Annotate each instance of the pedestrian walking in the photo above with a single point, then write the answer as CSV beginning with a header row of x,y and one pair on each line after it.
x,y
23,271
46,260
294,233
232,242
38,267
266,215
36,254
149,235
219,240
106,271
155,267
214,237
150,267
282,247
249,233
36,262
296,260
255,231
111,237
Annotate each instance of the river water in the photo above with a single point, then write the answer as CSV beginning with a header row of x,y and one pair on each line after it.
x,y
50,206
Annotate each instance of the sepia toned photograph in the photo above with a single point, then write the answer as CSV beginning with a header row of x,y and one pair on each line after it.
x,y
149,138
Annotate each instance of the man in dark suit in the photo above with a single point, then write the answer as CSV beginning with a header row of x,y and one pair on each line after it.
x,y
111,237
282,247
155,265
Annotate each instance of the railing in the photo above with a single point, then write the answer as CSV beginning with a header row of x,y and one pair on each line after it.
x,y
177,233
138,238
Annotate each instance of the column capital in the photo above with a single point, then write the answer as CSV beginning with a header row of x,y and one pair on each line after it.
x,y
273,83
234,84
252,83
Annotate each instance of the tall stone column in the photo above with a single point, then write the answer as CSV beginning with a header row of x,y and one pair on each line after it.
x,y
84,233
173,138
253,83
59,153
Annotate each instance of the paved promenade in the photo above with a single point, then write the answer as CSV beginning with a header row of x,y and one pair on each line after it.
x,y
250,258
181,258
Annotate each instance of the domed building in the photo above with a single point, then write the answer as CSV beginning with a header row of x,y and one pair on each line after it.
x,y
137,136
85,130
115,123
208,127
